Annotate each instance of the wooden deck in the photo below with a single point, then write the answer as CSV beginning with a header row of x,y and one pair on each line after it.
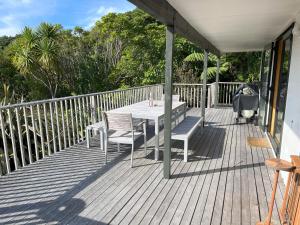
x,y
225,182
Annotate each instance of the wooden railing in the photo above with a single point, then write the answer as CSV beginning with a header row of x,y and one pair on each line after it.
x,y
226,91
32,131
191,94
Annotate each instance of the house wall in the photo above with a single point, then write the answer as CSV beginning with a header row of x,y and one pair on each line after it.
x,y
291,129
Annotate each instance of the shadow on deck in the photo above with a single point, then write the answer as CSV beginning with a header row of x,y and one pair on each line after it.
x,y
224,182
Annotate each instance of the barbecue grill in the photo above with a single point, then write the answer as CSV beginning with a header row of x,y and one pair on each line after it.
x,y
246,102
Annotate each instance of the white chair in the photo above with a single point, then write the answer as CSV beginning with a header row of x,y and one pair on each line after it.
x,y
118,128
96,127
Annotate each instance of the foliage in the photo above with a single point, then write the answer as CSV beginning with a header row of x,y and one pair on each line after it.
x,y
121,50
39,54
212,62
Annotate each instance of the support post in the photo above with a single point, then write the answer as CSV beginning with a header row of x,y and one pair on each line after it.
x,y
168,100
217,83
204,79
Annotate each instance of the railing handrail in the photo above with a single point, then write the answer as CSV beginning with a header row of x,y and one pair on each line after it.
x,y
32,103
231,82
188,84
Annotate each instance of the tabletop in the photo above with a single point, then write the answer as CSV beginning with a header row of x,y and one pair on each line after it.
x,y
144,111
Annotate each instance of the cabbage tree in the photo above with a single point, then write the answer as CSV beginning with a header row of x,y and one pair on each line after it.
x,y
38,53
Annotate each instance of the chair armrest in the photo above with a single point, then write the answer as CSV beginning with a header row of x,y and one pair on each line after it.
x,y
140,123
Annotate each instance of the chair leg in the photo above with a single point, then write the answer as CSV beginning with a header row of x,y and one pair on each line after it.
x,y
105,147
132,149
145,138
285,199
118,147
87,138
272,201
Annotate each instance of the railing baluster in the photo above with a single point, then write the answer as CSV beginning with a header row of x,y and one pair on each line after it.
x,y
88,110
101,104
27,136
20,137
84,114
46,128
68,123
34,134
12,137
77,114
72,123
105,102
52,128
6,156
58,126
80,119
98,108
41,130
63,123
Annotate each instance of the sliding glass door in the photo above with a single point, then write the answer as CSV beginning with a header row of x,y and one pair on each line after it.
x,y
282,90
278,89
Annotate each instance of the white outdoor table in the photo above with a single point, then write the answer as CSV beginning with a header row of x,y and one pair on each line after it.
x,y
142,110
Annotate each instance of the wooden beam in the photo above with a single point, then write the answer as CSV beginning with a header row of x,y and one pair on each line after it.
x,y
165,13
168,100
204,82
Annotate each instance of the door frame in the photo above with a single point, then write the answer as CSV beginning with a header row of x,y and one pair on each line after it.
x,y
264,124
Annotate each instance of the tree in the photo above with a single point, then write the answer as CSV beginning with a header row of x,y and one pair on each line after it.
x,y
39,54
212,62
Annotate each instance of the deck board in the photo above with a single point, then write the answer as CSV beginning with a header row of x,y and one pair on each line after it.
x,y
224,182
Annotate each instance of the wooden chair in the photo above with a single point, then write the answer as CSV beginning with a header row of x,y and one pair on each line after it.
x,y
290,210
118,128
278,165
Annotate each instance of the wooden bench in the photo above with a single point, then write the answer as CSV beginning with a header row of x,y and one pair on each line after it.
x,y
184,130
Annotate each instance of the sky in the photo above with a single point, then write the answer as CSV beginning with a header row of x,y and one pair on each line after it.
x,y
16,14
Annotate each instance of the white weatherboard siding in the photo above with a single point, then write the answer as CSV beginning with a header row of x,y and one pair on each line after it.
x,y
237,25
291,129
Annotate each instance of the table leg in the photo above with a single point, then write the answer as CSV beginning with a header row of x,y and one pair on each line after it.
x,y
156,153
101,140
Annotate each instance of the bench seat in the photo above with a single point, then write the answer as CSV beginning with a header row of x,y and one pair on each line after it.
x,y
184,130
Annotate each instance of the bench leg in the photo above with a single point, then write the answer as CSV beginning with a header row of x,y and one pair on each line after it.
x,y
145,138
186,149
87,138
101,140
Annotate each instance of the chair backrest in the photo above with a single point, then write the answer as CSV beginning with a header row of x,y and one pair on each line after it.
x,y
175,98
118,121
